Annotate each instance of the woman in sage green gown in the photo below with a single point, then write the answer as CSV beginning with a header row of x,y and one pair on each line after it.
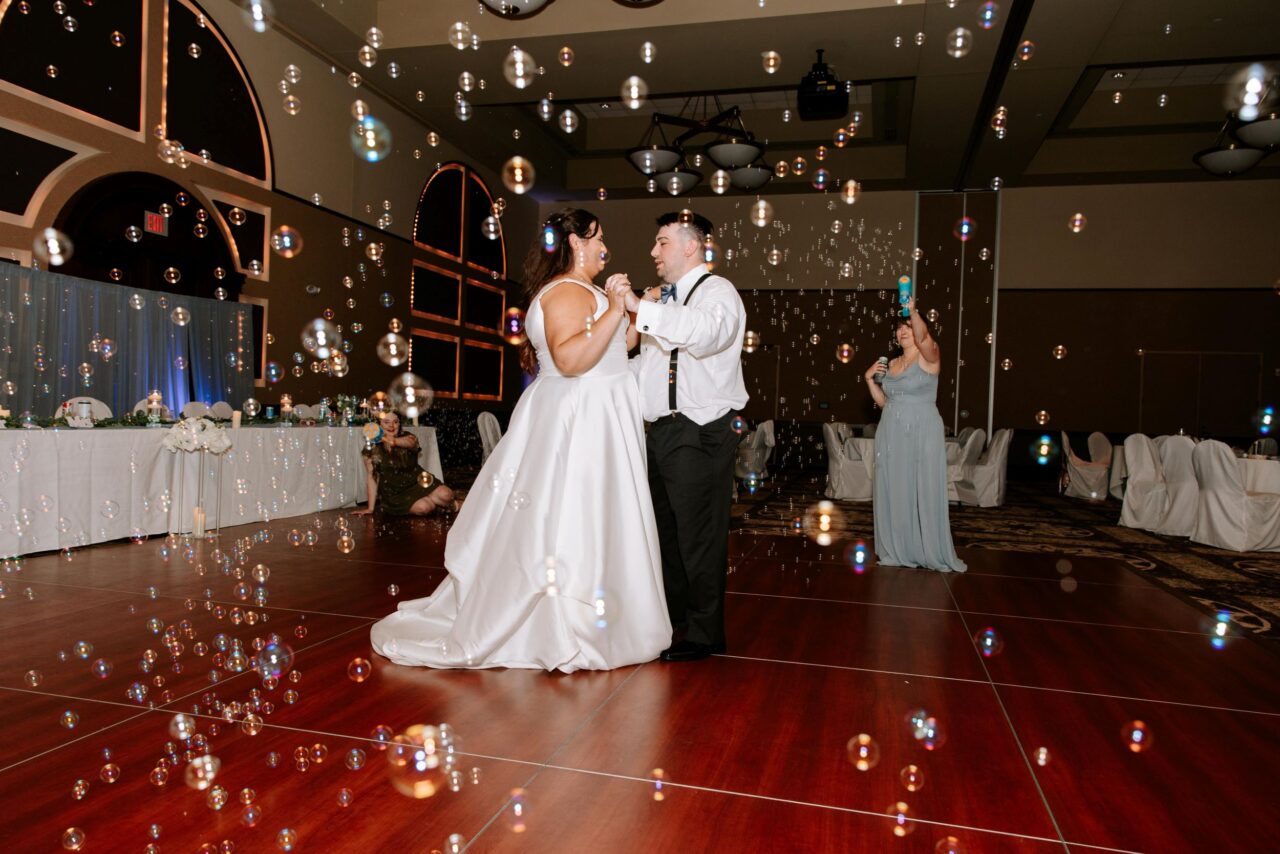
x,y
909,505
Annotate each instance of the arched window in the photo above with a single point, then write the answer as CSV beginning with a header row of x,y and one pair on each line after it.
x,y
459,290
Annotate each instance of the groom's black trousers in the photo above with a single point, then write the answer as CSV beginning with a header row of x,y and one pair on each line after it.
x,y
691,479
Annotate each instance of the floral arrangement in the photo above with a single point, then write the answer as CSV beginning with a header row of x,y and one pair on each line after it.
x,y
197,434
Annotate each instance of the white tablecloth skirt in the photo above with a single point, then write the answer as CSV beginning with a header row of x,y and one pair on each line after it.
x,y
68,487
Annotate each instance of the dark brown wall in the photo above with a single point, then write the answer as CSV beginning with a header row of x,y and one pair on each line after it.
x,y
1097,385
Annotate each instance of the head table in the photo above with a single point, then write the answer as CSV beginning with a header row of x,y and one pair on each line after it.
x,y
68,487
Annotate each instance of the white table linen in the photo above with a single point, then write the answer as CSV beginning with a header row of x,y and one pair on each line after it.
x,y
67,487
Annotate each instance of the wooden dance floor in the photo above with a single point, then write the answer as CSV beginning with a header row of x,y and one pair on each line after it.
x,y
1032,747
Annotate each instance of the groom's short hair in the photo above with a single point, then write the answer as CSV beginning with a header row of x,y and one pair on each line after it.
x,y
697,224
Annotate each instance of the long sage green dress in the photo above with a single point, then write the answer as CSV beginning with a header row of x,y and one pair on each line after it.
x,y
912,524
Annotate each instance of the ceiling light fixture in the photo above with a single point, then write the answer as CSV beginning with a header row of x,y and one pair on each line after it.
x,y
1263,132
1227,159
735,149
515,8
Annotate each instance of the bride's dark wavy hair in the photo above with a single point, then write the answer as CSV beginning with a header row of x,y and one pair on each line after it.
x,y
551,256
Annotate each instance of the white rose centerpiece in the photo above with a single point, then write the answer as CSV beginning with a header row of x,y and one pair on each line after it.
x,y
197,434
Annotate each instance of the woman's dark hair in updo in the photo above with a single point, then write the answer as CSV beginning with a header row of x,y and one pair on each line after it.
x,y
545,263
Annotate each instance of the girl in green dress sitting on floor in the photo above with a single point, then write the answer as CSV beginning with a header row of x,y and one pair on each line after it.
x,y
398,486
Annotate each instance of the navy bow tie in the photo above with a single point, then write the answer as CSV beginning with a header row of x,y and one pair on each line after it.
x,y
668,292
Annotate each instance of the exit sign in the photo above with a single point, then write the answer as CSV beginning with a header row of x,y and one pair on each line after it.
x,y
156,224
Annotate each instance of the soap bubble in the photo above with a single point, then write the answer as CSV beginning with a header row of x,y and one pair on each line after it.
x,y
634,91
771,60
989,642
959,42
900,813
963,229
491,228
1041,756
1059,352
393,349
460,35
568,121
415,761
1026,49
73,839
1042,417
274,660
201,772
987,14
761,213
53,247
180,316
359,669
850,191
1137,737
321,338
912,777
513,326
370,139
519,68
1077,223
863,751
518,175
410,395
823,522
286,241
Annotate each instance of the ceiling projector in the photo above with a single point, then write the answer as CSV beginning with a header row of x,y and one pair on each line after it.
x,y
821,95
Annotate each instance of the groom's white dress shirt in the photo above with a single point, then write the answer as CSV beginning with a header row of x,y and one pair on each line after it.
x,y
708,332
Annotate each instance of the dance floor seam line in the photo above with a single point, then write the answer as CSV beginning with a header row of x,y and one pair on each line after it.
x,y
77,739
565,742
1013,731
976,613
228,602
668,784
1000,684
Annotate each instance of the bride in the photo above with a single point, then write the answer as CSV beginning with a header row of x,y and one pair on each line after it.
x,y
553,560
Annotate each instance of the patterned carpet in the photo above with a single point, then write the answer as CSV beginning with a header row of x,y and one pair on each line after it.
x,y
1036,519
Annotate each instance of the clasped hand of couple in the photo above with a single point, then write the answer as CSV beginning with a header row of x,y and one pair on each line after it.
x,y
618,289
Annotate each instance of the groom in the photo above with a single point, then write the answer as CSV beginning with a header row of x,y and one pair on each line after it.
x,y
690,375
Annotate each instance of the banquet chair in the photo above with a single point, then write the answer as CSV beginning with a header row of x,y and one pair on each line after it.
x,y
97,408
1227,516
970,451
984,484
1086,478
754,451
964,434
490,433
1180,482
849,476
141,406
844,431
1146,498
221,411
869,430
195,409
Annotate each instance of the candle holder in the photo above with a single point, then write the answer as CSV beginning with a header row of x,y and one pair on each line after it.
x,y
155,406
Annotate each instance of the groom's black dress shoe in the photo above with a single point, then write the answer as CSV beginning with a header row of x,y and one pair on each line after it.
x,y
687,650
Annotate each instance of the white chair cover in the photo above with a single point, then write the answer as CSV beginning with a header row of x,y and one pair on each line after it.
x,y
984,484
490,433
754,451
1099,448
970,451
1083,479
195,409
964,434
844,432
98,410
848,476
1180,482
869,430
221,410
1228,517
1266,447
1146,499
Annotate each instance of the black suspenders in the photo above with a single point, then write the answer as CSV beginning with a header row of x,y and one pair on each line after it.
x,y
671,370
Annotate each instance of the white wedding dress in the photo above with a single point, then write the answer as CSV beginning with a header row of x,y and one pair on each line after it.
x,y
553,561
